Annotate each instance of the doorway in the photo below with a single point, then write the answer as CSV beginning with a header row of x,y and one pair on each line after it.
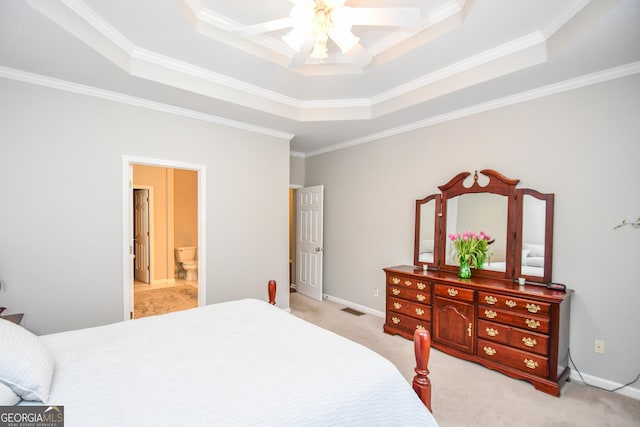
x,y
309,241
176,218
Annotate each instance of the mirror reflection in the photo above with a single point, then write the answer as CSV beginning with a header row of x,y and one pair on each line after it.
x,y
533,236
478,212
427,231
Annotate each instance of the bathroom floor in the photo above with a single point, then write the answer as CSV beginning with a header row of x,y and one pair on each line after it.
x,y
153,299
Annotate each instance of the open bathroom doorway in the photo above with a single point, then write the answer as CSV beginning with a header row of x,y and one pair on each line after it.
x,y
175,230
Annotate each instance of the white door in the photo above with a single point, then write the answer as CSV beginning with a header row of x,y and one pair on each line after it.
x,y
141,235
309,241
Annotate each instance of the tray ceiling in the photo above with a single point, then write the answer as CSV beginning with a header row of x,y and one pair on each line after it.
x,y
186,56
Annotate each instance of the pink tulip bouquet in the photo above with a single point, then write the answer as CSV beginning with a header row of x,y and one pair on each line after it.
x,y
471,248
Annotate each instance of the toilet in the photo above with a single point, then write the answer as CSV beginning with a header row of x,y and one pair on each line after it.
x,y
186,257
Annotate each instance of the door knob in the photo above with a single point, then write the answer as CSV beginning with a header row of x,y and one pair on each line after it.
x,y
318,249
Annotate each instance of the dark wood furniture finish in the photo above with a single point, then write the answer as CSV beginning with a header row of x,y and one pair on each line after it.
x,y
271,291
421,383
521,331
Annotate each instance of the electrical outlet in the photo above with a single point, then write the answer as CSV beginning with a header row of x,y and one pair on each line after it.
x,y
598,346
376,292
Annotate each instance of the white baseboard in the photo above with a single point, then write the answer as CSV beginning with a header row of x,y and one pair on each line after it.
x,y
629,391
355,306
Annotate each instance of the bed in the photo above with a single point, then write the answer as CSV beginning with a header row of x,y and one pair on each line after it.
x,y
242,362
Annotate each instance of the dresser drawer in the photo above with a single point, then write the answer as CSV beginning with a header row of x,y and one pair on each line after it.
x,y
410,323
418,311
454,292
421,296
516,304
407,282
530,323
518,359
514,337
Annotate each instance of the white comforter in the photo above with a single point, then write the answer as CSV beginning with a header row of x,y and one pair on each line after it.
x,y
237,363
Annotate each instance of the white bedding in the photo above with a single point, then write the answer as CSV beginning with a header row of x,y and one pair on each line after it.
x,y
236,363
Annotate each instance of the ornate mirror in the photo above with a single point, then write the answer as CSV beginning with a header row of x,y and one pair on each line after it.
x,y
519,222
479,212
427,236
535,230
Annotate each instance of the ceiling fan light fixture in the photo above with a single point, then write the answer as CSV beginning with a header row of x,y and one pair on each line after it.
x,y
320,47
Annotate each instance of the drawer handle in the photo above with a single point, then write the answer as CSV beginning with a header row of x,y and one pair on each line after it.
x,y
490,314
452,292
490,351
420,327
419,311
395,320
421,286
421,297
397,305
490,300
531,364
533,324
395,280
395,291
510,303
407,282
469,329
492,332
533,308
529,342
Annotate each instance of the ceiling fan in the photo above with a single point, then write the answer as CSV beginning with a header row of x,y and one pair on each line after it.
x,y
314,22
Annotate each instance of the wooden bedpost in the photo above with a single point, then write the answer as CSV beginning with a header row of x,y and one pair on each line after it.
x,y
421,382
272,292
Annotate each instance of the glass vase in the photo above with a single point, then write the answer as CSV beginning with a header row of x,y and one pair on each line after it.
x,y
465,270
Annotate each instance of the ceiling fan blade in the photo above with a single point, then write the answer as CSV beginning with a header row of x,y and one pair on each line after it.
x,y
359,55
301,55
265,27
384,16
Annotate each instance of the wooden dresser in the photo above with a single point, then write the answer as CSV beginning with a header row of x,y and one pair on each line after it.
x,y
521,331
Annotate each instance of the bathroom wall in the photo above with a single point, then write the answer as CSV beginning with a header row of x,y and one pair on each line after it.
x,y
185,208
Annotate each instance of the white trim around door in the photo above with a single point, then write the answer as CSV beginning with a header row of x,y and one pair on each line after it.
x,y
127,225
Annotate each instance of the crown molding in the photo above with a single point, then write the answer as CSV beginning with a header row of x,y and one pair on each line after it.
x,y
509,48
53,83
84,23
567,85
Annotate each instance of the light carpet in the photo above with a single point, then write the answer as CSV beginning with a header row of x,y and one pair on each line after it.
x,y
467,394
159,301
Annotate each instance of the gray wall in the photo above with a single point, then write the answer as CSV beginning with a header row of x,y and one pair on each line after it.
x,y
61,203
296,170
581,145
